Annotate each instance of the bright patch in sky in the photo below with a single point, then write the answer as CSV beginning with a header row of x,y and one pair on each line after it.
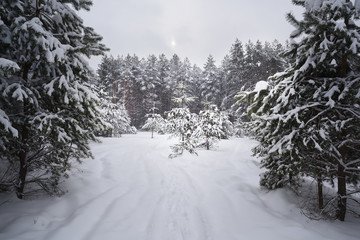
x,y
173,43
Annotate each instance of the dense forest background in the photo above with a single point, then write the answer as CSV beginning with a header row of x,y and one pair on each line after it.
x,y
143,84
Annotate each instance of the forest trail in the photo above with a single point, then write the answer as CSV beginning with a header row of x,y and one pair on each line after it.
x,y
133,191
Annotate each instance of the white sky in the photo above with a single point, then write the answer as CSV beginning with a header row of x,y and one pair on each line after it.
x,y
189,28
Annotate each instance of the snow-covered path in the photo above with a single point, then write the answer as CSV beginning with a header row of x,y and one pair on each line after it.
x,y
133,191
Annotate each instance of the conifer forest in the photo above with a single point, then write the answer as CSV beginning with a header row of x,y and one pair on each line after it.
x,y
293,108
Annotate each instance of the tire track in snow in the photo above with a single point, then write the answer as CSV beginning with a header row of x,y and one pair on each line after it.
x,y
81,216
121,184
108,209
178,215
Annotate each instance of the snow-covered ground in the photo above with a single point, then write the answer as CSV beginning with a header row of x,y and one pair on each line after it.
x,y
133,191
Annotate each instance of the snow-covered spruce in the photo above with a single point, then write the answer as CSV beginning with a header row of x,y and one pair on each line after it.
x,y
47,102
309,123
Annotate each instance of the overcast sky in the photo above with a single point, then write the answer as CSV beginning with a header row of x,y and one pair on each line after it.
x,y
189,28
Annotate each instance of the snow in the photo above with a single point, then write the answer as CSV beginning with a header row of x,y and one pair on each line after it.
x,y
7,64
313,4
354,45
6,124
19,94
133,191
261,85
329,95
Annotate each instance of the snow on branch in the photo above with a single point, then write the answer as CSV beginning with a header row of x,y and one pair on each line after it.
x,y
8,65
4,120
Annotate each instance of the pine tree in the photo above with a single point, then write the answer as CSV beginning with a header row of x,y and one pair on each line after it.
x,y
151,80
163,89
109,74
211,125
115,114
7,68
183,124
47,100
138,90
175,77
224,73
252,100
274,61
210,82
234,74
155,122
7,131
184,80
309,122
195,89
133,88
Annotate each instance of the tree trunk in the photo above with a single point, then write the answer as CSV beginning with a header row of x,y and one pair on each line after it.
x,y
115,89
37,11
23,165
22,176
23,148
341,211
344,66
320,193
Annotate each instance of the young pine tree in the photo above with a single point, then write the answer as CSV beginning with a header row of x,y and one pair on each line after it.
x,y
182,123
154,122
211,125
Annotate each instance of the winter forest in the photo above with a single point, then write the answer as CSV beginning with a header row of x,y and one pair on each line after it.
x,y
141,84
181,151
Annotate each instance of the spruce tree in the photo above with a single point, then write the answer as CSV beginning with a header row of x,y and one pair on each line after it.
x,y
47,99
